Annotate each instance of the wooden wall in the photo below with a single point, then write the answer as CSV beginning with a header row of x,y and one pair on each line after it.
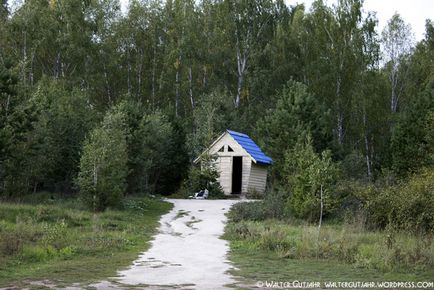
x,y
258,178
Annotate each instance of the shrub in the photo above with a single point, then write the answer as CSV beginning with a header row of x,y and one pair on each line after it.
x,y
55,235
413,204
13,236
274,205
10,244
37,253
204,178
271,207
407,206
67,252
247,211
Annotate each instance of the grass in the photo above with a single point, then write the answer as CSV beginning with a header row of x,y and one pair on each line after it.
x,y
279,251
181,214
57,240
260,265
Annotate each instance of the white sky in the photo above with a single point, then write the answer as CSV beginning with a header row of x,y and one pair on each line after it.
x,y
413,12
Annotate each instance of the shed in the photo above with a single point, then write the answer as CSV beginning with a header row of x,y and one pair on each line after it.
x,y
241,164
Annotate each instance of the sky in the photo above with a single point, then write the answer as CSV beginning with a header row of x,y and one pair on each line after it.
x,y
413,12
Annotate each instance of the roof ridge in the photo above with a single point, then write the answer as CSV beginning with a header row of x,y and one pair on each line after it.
x,y
237,133
250,146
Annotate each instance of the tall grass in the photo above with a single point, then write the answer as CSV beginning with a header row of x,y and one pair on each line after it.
x,y
381,250
35,234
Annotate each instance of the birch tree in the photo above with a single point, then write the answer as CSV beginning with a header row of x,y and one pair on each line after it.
x,y
397,40
103,165
334,58
249,20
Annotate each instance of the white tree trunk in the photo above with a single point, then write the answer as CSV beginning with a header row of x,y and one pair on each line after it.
x,y
190,82
321,209
24,64
241,64
340,128
204,80
394,84
139,74
128,73
107,83
153,76
177,92
367,151
95,182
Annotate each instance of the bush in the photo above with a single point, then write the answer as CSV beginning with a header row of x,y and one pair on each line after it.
x,y
271,207
55,235
247,211
406,206
203,178
14,235
413,204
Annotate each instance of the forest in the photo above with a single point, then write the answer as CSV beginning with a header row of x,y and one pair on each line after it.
x,y
102,111
102,104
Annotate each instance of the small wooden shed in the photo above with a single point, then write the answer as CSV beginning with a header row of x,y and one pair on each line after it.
x,y
240,162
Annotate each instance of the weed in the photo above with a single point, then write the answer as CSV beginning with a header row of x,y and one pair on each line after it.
x,y
58,240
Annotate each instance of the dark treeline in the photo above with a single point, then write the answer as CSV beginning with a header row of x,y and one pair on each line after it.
x,y
97,100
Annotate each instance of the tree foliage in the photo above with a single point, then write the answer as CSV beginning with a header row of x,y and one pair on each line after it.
x,y
103,164
143,93
297,114
309,179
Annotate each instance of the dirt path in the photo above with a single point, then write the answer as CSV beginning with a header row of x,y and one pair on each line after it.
x,y
187,253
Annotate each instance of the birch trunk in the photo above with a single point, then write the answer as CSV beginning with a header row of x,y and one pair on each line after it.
x,y
139,74
340,128
32,61
129,73
190,82
177,92
57,66
95,182
340,121
204,80
241,70
24,64
367,151
241,64
394,84
107,83
321,209
153,77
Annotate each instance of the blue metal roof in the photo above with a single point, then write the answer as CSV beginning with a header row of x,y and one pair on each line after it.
x,y
250,146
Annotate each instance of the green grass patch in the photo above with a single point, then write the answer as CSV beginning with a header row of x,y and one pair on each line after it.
x,y
279,251
181,214
62,242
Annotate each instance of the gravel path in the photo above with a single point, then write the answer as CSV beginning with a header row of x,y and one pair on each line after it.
x,y
187,252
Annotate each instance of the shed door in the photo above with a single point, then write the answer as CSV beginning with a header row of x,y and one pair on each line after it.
x,y
237,174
